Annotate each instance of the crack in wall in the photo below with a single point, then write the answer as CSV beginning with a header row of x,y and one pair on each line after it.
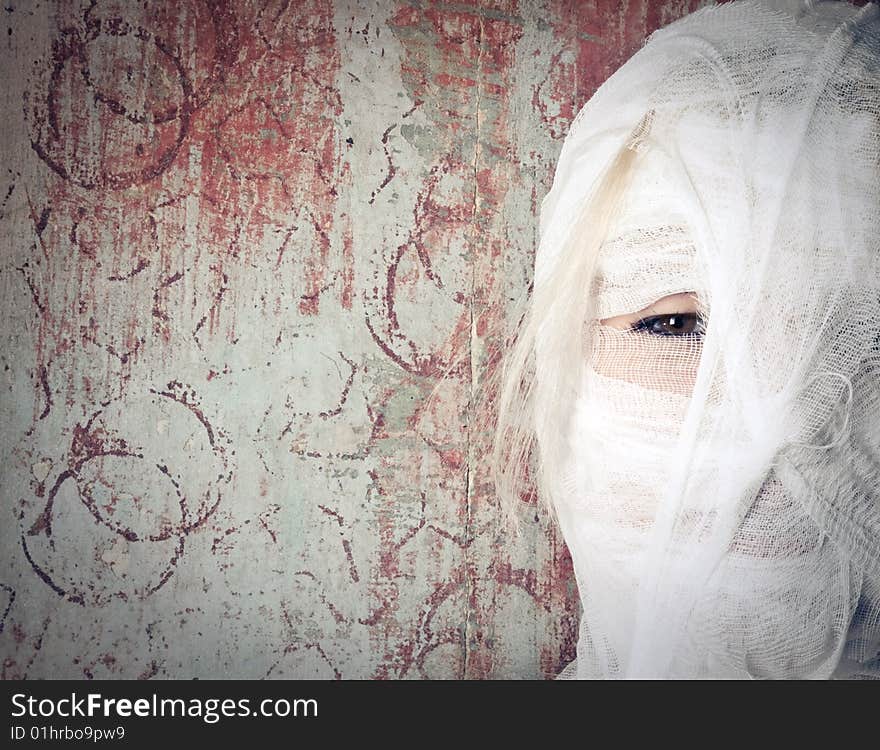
x,y
469,577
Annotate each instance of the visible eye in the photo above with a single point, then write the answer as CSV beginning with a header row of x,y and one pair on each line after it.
x,y
671,324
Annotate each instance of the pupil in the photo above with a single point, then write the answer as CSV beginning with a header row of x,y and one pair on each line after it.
x,y
673,324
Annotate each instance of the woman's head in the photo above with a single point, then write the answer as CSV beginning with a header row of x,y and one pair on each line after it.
x,y
696,371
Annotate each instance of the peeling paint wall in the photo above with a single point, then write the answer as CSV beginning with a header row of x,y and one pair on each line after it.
x,y
253,256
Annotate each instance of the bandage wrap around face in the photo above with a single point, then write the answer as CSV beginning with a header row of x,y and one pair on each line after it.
x,y
720,494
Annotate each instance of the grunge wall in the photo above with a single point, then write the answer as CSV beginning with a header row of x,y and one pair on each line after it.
x,y
254,256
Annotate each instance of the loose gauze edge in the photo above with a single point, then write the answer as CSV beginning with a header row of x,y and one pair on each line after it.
x,y
738,533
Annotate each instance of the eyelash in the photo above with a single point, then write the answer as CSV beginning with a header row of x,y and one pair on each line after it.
x,y
646,325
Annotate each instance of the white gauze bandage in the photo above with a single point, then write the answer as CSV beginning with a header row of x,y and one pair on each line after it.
x,y
720,493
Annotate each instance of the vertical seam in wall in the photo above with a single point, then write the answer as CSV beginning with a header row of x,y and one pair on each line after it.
x,y
474,247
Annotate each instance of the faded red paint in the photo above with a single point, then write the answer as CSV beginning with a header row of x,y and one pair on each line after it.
x,y
272,138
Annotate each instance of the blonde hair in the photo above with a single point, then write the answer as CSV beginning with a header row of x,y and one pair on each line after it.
x,y
540,373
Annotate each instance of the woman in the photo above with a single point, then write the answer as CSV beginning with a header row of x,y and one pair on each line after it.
x,y
698,376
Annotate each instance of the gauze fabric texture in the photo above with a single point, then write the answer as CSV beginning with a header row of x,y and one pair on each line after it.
x,y
720,493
